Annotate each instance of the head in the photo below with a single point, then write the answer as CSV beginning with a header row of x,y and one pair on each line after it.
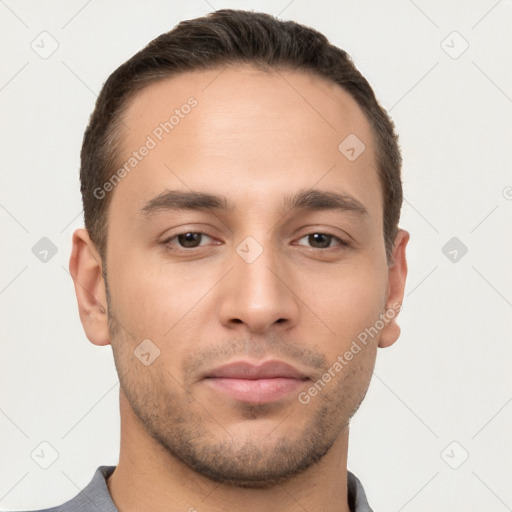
x,y
242,193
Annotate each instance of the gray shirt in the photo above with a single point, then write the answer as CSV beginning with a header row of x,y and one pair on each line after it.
x,y
96,498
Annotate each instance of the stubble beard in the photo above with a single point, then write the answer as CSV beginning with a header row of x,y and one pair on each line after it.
x,y
193,436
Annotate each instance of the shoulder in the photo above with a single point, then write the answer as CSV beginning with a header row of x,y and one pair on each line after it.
x,y
356,495
93,498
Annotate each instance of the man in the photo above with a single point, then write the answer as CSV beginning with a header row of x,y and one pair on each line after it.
x,y
242,255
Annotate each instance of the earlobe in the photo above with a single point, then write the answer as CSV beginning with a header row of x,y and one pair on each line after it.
x,y
397,274
85,267
389,334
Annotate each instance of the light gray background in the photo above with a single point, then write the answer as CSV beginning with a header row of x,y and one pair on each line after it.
x,y
448,377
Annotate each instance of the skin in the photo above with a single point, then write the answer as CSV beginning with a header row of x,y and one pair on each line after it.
x,y
256,141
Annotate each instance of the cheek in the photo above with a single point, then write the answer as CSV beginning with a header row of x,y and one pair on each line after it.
x,y
154,300
349,300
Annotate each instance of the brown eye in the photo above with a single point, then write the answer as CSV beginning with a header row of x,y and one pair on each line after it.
x,y
183,243
189,240
321,241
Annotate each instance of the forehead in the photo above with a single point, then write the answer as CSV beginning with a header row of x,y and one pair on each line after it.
x,y
237,128
228,96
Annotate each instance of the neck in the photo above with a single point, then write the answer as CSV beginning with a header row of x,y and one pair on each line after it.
x,y
148,477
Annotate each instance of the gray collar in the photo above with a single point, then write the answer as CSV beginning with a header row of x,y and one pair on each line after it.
x,y
96,498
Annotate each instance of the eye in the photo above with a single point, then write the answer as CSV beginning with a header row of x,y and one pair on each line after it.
x,y
189,240
321,240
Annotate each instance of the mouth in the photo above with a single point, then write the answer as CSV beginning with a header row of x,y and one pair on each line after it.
x,y
256,384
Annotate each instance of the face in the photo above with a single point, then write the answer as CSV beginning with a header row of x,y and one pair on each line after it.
x,y
248,251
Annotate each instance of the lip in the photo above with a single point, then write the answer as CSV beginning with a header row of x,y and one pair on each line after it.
x,y
255,384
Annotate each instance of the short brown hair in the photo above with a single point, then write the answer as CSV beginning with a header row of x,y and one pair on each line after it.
x,y
228,37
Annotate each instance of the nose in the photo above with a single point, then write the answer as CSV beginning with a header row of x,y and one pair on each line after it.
x,y
258,295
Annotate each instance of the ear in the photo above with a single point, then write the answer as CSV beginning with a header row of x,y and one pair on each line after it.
x,y
397,273
85,267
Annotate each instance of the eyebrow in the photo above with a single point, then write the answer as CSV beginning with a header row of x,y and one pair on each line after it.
x,y
309,199
185,200
313,199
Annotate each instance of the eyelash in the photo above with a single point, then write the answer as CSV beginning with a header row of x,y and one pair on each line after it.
x,y
167,242
341,243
